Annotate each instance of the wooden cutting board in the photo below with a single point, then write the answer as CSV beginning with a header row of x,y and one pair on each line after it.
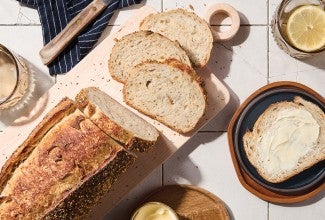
x,y
93,71
191,202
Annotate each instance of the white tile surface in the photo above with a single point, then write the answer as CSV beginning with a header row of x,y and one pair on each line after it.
x,y
309,71
310,209
12,12
125,208
250,11
26,41
243,64
120,16
205,161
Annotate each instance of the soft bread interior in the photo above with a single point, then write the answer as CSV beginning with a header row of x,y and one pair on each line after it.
x,y
139,46
168,92
287,138
192,32
121,115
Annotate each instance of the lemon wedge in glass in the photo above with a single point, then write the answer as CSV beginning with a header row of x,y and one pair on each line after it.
x,y
306,28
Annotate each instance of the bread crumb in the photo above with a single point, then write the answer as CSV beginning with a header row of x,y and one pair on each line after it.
x,y
191,7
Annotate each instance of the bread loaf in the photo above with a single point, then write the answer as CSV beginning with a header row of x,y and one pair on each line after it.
x,y
169,92
138,47
288,138
192,32
117,121
62,169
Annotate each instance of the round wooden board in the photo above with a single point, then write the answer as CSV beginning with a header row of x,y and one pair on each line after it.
x,y
191,202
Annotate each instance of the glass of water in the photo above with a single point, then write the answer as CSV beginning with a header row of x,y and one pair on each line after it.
x,y
296,9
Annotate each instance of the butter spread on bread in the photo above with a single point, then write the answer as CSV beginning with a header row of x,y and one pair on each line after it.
x,y
287,138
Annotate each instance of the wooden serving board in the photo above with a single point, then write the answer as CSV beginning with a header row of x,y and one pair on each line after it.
x,y
191,202
93,71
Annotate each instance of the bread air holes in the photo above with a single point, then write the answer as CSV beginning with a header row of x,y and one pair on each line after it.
x,y
164,21
148,83
171,101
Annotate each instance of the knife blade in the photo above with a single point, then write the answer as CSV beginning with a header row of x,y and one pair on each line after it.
x,y
53,48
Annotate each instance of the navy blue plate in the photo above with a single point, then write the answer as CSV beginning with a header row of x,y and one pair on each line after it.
x,y
298,184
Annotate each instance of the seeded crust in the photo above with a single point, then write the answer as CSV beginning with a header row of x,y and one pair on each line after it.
x,y
62,168
139,46
62,109
130,130
315,155
170,92
192,32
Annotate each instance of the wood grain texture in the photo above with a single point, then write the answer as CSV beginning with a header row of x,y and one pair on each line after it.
x,y
52,49
243,177
93,71
191,202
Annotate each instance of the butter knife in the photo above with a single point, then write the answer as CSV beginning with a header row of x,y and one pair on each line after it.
x,y
53,48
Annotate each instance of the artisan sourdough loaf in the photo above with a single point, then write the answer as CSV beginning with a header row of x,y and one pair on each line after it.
x,y
62,169
140,46
192,32
169,92
116,121
288,138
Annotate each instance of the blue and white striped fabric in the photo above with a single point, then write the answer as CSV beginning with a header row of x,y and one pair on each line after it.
x,y
56,14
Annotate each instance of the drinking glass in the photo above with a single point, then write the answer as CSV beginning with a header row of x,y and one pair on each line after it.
x,y
279,23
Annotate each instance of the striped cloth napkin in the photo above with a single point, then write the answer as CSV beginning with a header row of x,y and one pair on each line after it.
x,y
56,14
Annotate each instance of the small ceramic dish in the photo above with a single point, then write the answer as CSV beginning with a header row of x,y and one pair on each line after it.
x,y
296,189
299,183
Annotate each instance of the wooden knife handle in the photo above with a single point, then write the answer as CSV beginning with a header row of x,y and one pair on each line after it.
x,y
53,48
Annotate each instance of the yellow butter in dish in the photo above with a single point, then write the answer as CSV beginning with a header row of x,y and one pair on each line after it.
x,y
154,211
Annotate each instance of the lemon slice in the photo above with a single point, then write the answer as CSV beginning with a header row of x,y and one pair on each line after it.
x,y
306,28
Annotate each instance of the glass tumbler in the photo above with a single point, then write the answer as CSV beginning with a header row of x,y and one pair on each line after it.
x,y
279,23
15,80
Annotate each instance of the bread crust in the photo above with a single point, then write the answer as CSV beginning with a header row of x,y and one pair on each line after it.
x,y
131,36
127,138
305,162
196,18
185,69
80,201
69,163
62,109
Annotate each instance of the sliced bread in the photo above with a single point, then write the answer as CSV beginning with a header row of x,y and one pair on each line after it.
x,y
192,32
169,92
115,120
137,47
287,138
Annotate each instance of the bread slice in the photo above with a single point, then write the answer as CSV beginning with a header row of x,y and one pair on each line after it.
x,y
62,169
192,32
137,47
116,120
287,138
169,92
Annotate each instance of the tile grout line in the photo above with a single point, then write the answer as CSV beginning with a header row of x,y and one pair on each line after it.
x,y
268,72
162,165
22,25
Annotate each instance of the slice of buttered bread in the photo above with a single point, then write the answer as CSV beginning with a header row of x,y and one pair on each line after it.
x,y
192,32
138,47
116,121
288,138
169,92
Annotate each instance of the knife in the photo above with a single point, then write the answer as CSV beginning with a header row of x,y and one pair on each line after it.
x,y
53,48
